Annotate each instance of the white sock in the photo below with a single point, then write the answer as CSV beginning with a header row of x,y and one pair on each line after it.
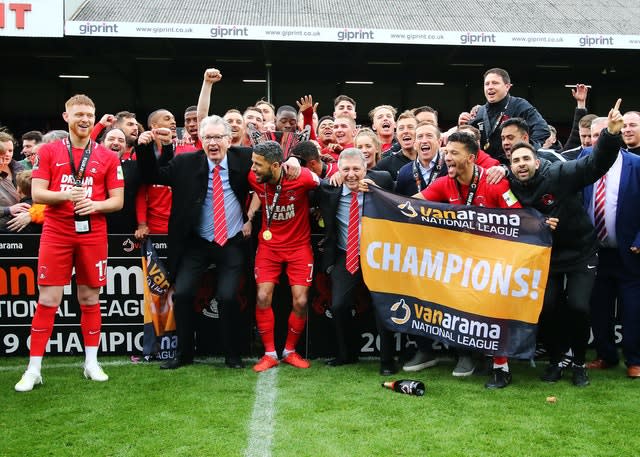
x,y
503,367
90,355
286,352
35,364
273,355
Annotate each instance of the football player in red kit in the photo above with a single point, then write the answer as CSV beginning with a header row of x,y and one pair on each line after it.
x,y
79,181
285,238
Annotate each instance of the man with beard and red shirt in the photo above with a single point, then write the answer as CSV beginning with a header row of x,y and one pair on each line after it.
x,y
125,121
285,238
75,178
406,136
466,184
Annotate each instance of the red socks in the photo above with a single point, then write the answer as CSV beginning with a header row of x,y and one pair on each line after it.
x,y
497,360
41,328
296,327
91,323
265,322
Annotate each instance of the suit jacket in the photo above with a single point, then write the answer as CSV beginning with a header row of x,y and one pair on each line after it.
x,y
328,199
188,176
627,214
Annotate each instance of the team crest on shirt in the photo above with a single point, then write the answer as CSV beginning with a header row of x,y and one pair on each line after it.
x,y
291,195
548,199
479,200
42,274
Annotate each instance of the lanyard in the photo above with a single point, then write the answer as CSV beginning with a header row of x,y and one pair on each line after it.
x,y
435,171
79,174
473,187
487,127
269,209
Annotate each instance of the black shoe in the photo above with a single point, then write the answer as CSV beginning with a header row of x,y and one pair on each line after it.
x,y
176,362
339,361
388,368
553,373
499,379
234,362
579,378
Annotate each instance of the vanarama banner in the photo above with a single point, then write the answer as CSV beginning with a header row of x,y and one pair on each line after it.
x,y
160,340
467,276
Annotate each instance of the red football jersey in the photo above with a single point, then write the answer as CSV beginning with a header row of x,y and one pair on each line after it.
x,y
103,173
153,206
290,223
445,190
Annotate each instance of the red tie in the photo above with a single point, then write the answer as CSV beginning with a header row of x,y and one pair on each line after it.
x,y
598,209
219,219
353,236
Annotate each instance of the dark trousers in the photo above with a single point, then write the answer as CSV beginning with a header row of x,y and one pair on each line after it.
x,y
613,281
344,286
198,255
565,313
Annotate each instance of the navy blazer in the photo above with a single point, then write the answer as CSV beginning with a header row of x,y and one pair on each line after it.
x,y
328,197
188,176
627,210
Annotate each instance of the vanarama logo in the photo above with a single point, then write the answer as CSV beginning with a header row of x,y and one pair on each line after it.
x,y
407,311
407,209
465,332
470,219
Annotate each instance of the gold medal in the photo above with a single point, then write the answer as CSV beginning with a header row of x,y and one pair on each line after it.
x,y
486,146
267,235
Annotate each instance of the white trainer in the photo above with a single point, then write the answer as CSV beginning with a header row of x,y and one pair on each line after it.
x,y
95,373
28,381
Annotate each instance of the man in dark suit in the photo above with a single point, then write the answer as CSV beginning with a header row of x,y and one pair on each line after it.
x,y
341,209
617,223
206,226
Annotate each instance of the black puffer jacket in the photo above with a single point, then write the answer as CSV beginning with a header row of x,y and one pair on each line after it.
x,y
555,191
509,107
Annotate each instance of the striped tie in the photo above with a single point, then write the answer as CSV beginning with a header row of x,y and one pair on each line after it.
x,y
219,219
598,209
353,236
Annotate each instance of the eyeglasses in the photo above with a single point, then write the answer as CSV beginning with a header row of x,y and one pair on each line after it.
x,y
210,138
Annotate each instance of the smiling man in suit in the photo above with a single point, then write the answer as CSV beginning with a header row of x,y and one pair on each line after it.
x,y
205,226
341,209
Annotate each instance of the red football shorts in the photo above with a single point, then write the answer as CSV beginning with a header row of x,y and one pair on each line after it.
x,y
56,261
299,265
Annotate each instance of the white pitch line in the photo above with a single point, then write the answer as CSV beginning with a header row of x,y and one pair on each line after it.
x,y
47,366
261,427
